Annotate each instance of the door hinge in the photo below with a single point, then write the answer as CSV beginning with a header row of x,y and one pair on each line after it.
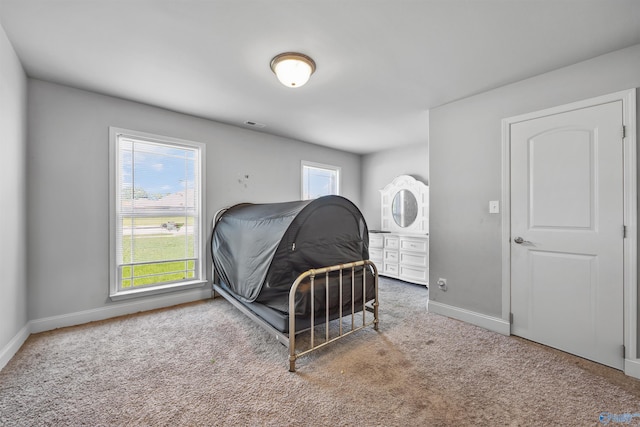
x,y
624,132
511,318
624,231
624,352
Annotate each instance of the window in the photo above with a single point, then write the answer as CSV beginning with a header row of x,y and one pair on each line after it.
x,y
319,180
156,202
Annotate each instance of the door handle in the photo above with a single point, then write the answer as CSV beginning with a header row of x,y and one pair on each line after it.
x,y
519,240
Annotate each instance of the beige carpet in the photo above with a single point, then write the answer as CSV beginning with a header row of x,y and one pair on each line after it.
x,y
207,364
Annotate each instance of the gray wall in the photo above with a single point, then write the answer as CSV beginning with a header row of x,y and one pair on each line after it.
x,y
465,172
13,252
68,153
379,169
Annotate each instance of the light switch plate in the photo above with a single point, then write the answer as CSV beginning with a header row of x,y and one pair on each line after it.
x,y
494,206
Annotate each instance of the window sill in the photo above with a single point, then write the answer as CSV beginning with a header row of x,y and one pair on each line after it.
x,y
174,287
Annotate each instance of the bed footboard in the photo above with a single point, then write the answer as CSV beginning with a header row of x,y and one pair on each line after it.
x,y
349,314
343,319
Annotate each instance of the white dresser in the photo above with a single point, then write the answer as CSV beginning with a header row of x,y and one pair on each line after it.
x,y
401,249
401,256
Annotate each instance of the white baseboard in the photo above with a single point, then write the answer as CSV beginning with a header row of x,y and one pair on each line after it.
x,y
632,367
119,309
102,313
491,323
14,345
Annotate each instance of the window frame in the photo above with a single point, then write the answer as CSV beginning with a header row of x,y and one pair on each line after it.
x,y
332,168
115,293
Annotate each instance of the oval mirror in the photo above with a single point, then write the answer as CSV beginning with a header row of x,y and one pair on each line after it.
x,y
404,208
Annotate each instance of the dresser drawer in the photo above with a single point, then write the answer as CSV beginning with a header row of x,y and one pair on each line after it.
x,y
375,254
391,242
390,256
416,245
414,258
376,240
414,274
390,269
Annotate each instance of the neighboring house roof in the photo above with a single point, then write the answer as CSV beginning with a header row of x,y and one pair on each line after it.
x,y
180,199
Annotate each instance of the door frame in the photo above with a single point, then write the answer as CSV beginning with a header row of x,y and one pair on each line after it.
x,y
630,286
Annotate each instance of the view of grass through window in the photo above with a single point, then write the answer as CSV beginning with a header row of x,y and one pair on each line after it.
x,y
147,257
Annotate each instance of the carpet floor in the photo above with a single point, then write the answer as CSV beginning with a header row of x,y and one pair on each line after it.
x,y
205,364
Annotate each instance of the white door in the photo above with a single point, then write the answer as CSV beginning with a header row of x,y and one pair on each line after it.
x,y
567,231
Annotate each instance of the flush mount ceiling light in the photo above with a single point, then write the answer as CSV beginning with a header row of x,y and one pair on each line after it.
x,y
293,69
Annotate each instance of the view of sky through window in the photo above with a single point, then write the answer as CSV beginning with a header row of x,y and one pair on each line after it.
x,y
153,171
318,181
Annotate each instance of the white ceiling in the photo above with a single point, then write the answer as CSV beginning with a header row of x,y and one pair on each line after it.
x,y
381,64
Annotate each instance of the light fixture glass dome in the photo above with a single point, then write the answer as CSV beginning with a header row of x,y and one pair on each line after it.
x,y
293,69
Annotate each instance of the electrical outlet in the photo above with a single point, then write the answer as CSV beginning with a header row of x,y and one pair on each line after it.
x,y
442,284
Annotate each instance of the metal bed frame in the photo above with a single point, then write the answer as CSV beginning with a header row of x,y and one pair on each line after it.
x,y
289,340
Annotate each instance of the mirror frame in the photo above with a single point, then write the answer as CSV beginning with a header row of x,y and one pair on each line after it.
x,y
421,193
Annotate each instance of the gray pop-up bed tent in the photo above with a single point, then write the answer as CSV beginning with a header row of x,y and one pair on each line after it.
x,y
259,250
